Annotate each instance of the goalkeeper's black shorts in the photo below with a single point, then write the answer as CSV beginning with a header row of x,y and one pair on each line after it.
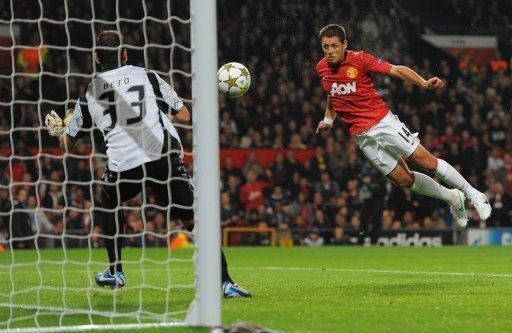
x,y
167,178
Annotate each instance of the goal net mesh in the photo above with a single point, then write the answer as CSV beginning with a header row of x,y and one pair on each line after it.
x,y
52,242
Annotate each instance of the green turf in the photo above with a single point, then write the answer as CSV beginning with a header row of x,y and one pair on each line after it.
x,y
328,289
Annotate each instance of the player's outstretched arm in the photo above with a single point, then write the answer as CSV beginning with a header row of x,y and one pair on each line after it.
x,y
408,75
326,124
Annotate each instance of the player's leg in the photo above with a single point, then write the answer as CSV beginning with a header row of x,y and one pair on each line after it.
x,y
418,182
114,193
183,195
447,173
425,185
385,144
181,191
396,139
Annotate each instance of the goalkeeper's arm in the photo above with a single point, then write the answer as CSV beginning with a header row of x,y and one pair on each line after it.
x,y
66,141
178,112
74,125
57,127
183,116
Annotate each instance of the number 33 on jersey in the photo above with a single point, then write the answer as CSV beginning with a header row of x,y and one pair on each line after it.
x,y
129,106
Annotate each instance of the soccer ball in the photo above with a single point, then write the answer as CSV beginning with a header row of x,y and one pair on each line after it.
x,y
233,79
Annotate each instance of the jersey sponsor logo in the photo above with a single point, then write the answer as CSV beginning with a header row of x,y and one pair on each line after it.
x,y
352,72
343,88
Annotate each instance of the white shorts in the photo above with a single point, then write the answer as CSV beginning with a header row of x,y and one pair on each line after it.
x,y
386,142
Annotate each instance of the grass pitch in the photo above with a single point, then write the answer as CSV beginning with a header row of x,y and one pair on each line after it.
x,y
328,289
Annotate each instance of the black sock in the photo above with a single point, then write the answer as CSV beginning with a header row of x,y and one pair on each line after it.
x,y
120,243
113,226
225,273
109,244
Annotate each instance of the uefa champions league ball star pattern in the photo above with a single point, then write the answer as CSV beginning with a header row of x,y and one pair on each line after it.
x,y
233,79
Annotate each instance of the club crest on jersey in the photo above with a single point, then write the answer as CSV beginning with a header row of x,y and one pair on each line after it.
x,y
343,89
352,72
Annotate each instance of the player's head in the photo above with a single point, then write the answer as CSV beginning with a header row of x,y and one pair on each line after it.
x,y
334,42
109,50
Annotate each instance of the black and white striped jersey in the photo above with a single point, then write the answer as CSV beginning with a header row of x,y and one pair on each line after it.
x,y
129,105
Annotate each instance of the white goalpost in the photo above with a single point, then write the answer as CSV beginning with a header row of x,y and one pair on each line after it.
x,y
206,310
47,276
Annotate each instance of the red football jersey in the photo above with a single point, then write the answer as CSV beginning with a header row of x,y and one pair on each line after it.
x,y
350,89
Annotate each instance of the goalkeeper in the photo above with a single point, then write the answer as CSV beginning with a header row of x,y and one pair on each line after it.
x,y
129,105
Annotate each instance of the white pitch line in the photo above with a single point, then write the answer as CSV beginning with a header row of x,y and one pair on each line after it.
x,y
312,269
71,311
89,328
386,271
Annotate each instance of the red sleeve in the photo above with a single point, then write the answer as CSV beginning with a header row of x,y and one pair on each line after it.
x,y
375,65
244,194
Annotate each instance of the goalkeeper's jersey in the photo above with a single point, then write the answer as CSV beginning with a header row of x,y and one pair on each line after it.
x,y
129,105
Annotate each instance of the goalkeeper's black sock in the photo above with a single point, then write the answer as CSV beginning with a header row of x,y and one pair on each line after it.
x,y
109,244
120,243
114,227
112,258
225,273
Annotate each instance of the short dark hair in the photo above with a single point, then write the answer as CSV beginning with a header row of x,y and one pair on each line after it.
x,y
107,40
333,30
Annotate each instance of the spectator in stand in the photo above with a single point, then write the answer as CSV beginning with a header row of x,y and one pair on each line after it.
x,y
277,197
233,189
280,170
5,207
339,237
228,169
326,187
284,236
38,220
387,220
157,226
495,162
135,227
228,211
318,163
251,193
497,63
301,207
21,224
355,223
296,142
54,197
278,215
501,203
314,239
252,164
497,133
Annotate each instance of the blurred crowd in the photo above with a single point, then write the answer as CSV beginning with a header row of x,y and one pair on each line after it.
x,y
335,193
483,13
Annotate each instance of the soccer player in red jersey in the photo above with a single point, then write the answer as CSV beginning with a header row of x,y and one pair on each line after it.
x,y
386,141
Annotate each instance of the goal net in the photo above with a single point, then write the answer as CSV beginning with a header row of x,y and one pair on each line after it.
x,y
51,243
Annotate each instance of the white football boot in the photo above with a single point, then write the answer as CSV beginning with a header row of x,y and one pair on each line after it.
x,y
482,205
458,208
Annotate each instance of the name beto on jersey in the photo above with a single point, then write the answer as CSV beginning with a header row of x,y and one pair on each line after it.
x,y
343,89
117,83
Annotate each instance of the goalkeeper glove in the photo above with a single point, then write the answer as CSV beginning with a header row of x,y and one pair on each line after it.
x,y
54,122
